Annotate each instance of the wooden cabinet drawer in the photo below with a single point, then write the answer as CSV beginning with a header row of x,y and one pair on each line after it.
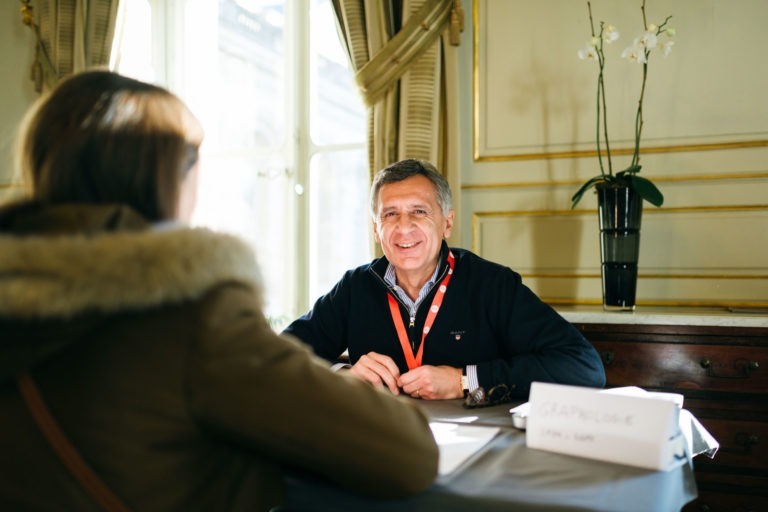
x,y
729,493
723,373
719,368
743,445
726,502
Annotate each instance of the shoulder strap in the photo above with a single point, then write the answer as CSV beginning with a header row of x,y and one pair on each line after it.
x,y
64,449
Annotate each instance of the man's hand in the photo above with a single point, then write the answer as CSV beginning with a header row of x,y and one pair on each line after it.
x,y
432,382
378,369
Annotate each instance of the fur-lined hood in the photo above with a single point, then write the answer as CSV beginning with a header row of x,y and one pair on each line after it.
x,y
66,269
65,275
43,277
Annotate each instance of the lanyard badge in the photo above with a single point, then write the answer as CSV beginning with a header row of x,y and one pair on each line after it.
x,y
414,360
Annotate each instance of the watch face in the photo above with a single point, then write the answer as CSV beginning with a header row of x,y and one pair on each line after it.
x,y
464,383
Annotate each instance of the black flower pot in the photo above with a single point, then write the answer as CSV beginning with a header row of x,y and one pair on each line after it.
x,y
620,210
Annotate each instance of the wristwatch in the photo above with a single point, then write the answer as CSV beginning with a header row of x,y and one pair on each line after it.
x,y
464,381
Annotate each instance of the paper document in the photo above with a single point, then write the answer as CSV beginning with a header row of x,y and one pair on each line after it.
x,y
458,442
677,398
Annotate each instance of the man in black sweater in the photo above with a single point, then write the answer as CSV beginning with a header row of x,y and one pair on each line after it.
x,y
436,322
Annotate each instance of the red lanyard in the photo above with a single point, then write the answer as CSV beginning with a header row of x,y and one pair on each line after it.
x,y
394,309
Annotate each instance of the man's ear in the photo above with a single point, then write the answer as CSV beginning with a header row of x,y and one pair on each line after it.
x,y
375,232
448,224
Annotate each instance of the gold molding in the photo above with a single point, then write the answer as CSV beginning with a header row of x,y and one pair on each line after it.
x,y
695,177
663,303
640,275
476,216
583,211
475,80
679,148
713,146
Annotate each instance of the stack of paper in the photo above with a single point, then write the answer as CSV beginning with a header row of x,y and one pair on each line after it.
x,y
458,442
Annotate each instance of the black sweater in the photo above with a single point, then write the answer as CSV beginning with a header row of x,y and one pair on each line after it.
x,y
488,318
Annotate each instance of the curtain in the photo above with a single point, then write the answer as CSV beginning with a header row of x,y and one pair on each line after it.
x,y
72,35
404,57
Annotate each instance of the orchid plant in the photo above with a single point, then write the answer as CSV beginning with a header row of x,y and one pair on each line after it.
x,y
654,37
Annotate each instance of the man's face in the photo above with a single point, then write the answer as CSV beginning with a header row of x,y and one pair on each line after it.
x,y
410,225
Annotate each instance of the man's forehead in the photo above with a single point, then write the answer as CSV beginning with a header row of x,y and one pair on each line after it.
x,y
420,198
397,205
410,186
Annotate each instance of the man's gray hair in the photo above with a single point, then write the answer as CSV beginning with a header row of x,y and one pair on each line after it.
x,y
405,169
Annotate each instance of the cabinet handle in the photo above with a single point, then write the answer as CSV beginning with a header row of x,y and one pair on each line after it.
x,y
743,369
607,356
745,441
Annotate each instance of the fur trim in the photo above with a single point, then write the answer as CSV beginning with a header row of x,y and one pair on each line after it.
x,y
62,276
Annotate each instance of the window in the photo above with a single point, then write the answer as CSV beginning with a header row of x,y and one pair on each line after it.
x,y
283,163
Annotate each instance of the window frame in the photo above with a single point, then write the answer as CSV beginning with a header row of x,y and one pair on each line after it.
x,y
298,150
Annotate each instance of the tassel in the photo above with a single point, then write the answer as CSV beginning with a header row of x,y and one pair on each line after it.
x,y
460,12
28,19
27,15
457,23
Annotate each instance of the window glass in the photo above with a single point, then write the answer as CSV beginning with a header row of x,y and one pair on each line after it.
x,y
250,84
338,114
283,163
341,228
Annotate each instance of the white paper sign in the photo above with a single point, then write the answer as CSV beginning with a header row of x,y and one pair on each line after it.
x,y
638,431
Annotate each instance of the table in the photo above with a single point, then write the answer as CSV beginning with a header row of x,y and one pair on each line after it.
x,y
506,475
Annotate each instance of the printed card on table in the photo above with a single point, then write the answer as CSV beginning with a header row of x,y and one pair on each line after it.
x,y
640,431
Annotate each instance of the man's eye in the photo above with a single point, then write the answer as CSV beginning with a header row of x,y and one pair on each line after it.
x,y
420,212
388,215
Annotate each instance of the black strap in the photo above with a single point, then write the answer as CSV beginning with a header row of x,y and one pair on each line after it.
x,y
64,449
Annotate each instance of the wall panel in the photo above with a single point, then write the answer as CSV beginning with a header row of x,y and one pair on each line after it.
x,y
705,144
692,256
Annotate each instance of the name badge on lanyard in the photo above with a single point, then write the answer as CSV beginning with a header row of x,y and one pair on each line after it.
x,y
414,360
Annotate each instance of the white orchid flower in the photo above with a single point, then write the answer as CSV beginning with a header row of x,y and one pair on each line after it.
x,y
634,53
588,52
610,34
648,40
666,47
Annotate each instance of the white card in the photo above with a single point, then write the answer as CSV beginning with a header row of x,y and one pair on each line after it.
x,y
637,430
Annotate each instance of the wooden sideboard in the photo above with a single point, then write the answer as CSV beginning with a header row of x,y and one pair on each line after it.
x,y
720,364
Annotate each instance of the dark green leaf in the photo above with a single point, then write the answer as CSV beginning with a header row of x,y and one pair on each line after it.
x,y
647,190
591,183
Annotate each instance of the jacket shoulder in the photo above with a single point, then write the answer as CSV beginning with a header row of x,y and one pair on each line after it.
x,y
112,272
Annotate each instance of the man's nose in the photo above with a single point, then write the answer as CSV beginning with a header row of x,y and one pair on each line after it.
x,y
405,222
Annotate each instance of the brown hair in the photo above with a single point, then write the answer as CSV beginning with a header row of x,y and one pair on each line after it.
x,y
100,137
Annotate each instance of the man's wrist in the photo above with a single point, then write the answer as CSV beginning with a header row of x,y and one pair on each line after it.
x,y
464,382
471,372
